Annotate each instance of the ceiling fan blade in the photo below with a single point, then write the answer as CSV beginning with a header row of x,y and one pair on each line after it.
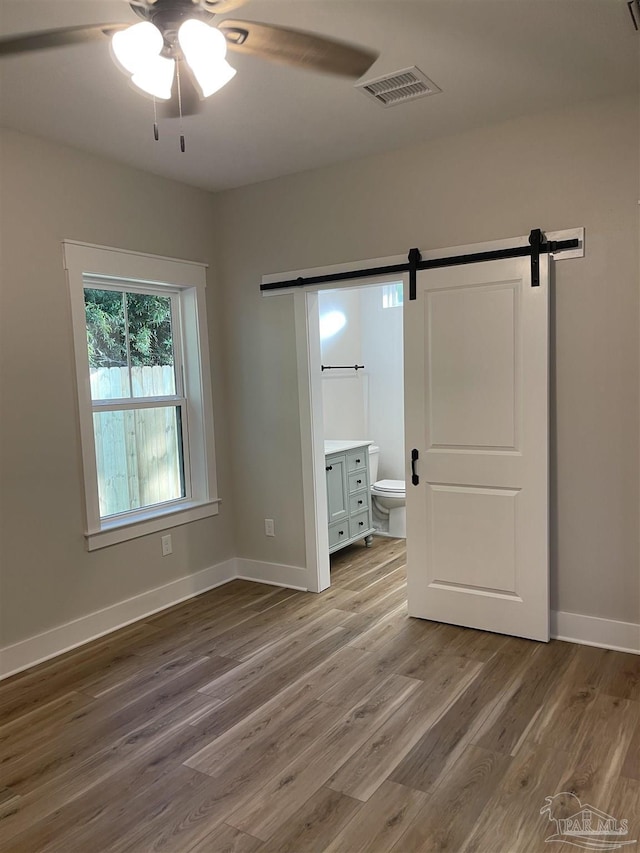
x,y
294,47
189,97
57,38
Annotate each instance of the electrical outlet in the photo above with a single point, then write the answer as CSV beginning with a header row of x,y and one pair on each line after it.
x,y
269,529
167,547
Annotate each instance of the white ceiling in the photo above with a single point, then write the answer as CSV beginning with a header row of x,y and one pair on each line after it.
x,y
493,59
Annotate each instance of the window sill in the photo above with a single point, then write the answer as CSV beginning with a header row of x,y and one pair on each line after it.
x,y
112,532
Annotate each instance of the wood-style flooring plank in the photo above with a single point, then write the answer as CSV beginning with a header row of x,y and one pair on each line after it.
x,y
380,822
624,804
406,636
98,813
428,759
101,720
6,794
546,667
622,675
379,607
383,629
448,816
320,818
355,560
605,735
258,719
631,766
33,730
480,645
561,718
24,693
226,839
277,801
364,579
366,673
374,593
194,638
270,739
510,819
367,769
283,623
269,599
299,647
153,737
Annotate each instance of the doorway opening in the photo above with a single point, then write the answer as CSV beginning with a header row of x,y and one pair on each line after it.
x,y
352,395
362,372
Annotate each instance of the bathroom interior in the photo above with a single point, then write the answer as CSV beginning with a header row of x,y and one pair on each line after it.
x,y
361,341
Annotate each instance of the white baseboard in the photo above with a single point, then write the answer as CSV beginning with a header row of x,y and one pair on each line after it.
x,y
571,627
275,574
593,631
65,637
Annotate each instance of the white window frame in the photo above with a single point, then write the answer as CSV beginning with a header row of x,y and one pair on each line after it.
x,y
88,265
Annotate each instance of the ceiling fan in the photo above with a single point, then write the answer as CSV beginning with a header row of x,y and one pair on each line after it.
x,y
178,35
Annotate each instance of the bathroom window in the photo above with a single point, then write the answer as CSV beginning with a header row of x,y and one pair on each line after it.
x,y
392,295
143,377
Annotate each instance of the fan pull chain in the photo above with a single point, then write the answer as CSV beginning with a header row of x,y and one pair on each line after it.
x,y
156,132
182,145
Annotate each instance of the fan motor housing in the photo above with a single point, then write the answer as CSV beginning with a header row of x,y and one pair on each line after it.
x,y
167,15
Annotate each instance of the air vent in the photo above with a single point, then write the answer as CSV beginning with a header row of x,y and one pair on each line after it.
x,y
399,87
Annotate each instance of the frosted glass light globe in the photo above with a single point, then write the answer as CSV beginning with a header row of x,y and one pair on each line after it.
x,y
204,49
138,50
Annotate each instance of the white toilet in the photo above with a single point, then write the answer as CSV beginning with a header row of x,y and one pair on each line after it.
x,y
389,497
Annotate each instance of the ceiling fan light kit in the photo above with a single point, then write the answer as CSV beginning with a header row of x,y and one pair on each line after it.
x,y
138,50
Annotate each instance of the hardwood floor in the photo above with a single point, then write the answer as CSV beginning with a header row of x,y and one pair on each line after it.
x,y
260,719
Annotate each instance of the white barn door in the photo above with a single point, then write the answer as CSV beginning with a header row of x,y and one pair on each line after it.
x,y
476,410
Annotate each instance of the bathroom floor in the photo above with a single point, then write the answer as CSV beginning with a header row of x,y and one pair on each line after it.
x,y
258,719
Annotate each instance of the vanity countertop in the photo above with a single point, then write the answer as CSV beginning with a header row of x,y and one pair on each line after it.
x,y
341,445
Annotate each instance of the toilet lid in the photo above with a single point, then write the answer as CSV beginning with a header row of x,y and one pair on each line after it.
x,y
389,486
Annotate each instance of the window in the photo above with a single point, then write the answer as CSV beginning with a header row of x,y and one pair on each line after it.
x,y
137,397
392,295
142,365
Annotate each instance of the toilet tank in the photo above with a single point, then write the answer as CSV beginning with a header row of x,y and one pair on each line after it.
x,y
374,454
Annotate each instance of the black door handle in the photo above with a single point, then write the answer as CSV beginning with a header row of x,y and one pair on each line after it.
x,y
414,458
329,468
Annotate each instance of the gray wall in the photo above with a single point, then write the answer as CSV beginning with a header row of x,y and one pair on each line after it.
x,y
345,393
50,193
383,354
555,171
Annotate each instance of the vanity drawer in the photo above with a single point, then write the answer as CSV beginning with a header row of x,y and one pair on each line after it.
x,y
359,525
358,503
358,481
357,459
338,532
